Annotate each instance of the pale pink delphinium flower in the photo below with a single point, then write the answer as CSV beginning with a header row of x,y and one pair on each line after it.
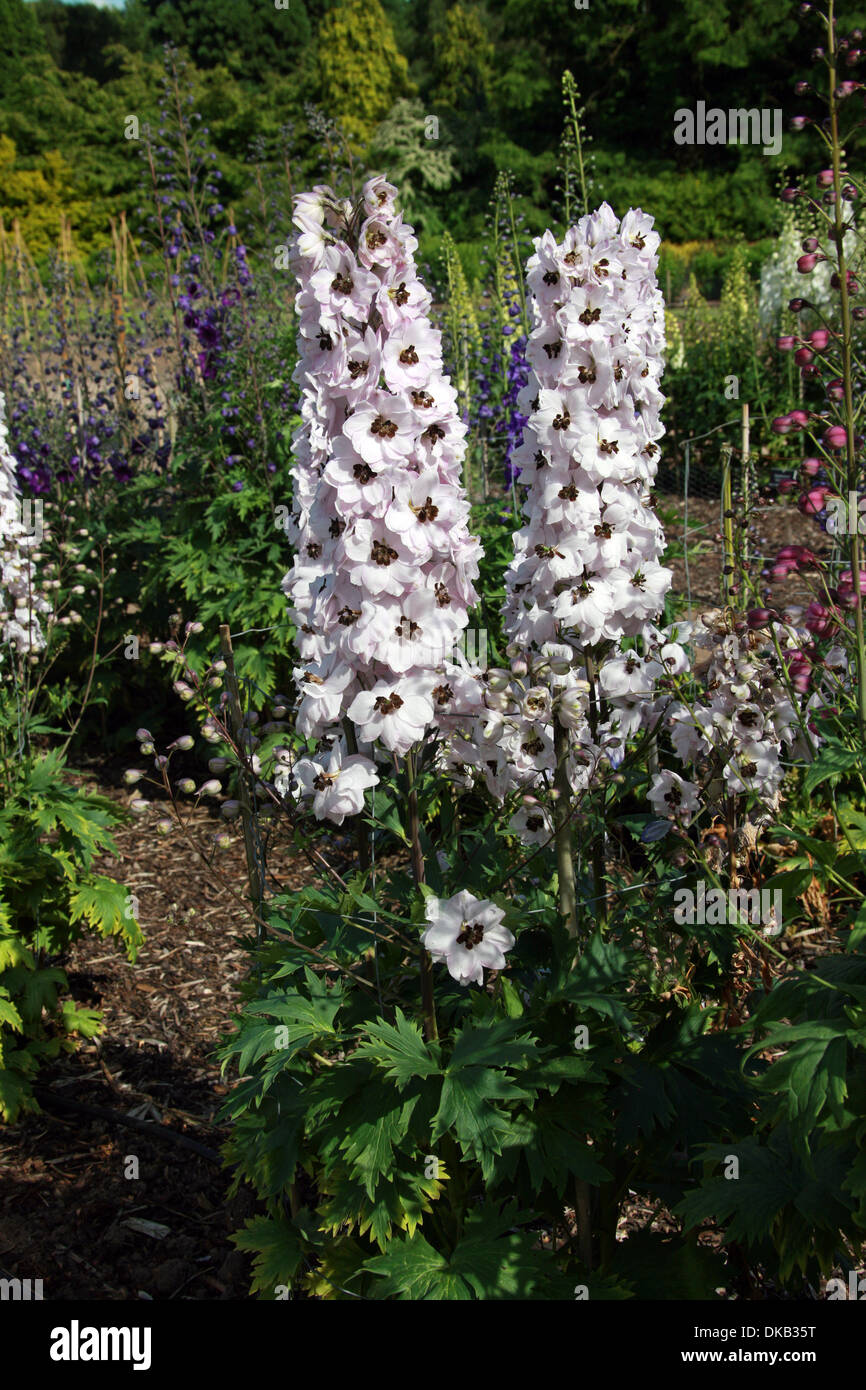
x,y
384,568
467,934
586,573
21,598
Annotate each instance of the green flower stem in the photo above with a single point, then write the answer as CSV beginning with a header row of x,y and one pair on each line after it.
x,y
847,336
562,823
431,1031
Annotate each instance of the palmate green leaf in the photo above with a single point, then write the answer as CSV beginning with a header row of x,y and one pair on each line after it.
x,y
15,1094
14,952
496,1042
413,1270
748,1205
35,990
499,1260
492,1260
102,904
375,1121
399,1205
592,983
9,1015
641,1100
278,1251
552,1145
467,1106
399,1050
302,1022
86,1022
775,1194
812,1073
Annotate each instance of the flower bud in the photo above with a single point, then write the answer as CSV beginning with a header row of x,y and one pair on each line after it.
x,y
230,809
184,743
186,785
164,827
132,775
212,787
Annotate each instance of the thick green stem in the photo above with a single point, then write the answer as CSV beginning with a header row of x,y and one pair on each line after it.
x,y
562,824
595,714
431,1031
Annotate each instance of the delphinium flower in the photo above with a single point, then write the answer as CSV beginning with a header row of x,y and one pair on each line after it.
x,y
514,421
731,735
21,602
586,572
467,934
383,573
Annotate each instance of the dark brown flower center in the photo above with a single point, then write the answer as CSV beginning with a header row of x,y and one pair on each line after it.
x,y
470,935
388,705
427,512
382,554
383,427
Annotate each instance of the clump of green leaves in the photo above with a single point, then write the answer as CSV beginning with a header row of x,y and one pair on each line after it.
x,y
51,832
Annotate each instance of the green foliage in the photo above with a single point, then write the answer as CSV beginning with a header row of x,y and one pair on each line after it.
x,y
416,164
50,833
356,92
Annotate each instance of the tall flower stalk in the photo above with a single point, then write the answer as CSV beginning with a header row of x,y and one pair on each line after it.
x,y
828,356
383,574
585,585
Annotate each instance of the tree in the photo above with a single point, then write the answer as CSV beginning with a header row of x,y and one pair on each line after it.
x,y
361,70
413,160
463,60
21,40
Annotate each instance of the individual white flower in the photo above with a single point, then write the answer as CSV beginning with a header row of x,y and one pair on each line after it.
x,y
673,797
336,785
395,712
467,934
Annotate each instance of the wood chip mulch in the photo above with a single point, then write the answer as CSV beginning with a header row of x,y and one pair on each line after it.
x,y
71,1212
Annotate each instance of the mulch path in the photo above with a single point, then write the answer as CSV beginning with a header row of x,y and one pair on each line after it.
x,y
69,1214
